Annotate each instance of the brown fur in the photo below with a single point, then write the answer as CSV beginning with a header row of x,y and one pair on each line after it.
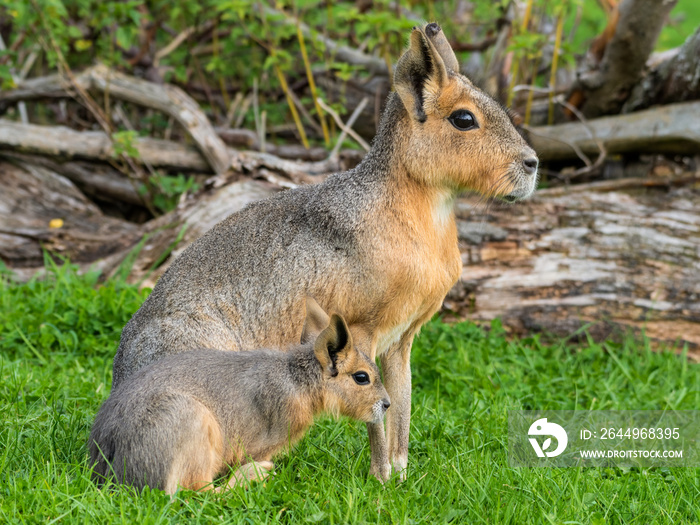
x,y
378,243
182,421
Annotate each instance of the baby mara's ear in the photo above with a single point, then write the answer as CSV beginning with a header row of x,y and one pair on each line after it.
x,y
423,66
333,345
316,320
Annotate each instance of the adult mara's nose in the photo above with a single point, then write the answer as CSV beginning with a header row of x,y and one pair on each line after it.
x,y
530,163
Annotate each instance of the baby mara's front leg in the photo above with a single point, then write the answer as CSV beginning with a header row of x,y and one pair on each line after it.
x,y
247,473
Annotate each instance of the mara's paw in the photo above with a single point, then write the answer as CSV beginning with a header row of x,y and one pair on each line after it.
x,y
400,472
400,466
381,472
250,472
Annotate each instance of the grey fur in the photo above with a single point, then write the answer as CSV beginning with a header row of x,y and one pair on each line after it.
x,y
244,281
153,422
351,242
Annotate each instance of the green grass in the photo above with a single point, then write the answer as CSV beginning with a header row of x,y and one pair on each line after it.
x,y
57,338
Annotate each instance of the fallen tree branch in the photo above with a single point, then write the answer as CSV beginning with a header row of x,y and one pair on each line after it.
x,y
168,99
671,129
66,143
621,184
248,139
298,172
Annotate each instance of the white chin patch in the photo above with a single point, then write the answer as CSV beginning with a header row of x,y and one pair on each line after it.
x,y
526,186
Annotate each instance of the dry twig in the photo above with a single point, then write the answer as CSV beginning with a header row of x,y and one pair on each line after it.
x,y
342,126
348,125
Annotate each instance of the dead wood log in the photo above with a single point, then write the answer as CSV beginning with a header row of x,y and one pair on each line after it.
x,y
672,129
606,87
168,99
34,196
66,143
62,143
612,261
96,180
604,260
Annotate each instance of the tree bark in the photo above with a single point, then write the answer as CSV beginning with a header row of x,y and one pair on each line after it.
x,y
95,180
34,196
609,261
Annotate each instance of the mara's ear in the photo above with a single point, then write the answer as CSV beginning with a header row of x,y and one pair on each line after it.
x,y
333,345
314,323
434,33
420,67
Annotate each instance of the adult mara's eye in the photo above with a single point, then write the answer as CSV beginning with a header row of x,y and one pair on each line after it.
x,y
361,378
463,120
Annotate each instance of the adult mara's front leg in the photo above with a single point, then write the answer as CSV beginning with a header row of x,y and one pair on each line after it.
x,y
396,369
380,467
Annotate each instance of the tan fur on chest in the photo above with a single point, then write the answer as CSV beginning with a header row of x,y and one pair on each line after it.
x,y
420,261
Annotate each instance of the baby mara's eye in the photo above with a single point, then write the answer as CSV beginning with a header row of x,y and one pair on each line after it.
x,y
463,120
361,378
